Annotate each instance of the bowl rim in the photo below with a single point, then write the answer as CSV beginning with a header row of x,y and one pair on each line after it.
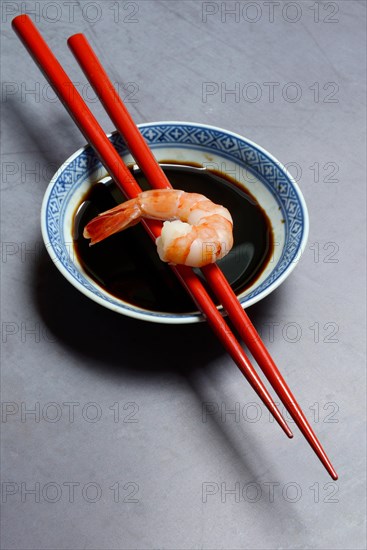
x,y
176,318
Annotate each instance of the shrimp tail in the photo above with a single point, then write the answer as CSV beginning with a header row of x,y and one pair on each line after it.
x,y
113,221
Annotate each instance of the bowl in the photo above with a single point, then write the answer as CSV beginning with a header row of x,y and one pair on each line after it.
x,y
252,166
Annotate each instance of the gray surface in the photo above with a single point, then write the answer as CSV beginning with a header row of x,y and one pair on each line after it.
x,y
81,353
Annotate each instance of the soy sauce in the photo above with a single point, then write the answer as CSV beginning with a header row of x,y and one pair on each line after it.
x,y
127,265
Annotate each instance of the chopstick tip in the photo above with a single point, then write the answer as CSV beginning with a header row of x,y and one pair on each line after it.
x,y
286,429
328,466
75,37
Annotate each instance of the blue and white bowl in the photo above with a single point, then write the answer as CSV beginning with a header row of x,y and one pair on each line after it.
x,y
252,166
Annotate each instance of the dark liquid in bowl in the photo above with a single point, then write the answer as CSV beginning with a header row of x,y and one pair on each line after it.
x,y
127,264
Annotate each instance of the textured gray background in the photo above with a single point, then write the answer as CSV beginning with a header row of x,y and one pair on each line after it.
x,y
80,353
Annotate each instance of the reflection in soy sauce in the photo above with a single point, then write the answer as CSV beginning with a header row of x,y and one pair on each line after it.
x,y
127,264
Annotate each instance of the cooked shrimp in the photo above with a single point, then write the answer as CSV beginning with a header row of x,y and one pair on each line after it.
x,y
195,232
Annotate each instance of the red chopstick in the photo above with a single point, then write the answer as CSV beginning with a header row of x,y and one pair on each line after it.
x,y
144,157
113,163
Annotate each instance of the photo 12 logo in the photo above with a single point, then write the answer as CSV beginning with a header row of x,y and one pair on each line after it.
x,y
270,12
270,92
253,412
40,91
269,491
119,11
69,412
69,491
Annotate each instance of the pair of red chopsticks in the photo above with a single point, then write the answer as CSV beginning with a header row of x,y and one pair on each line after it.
x,y
109,157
